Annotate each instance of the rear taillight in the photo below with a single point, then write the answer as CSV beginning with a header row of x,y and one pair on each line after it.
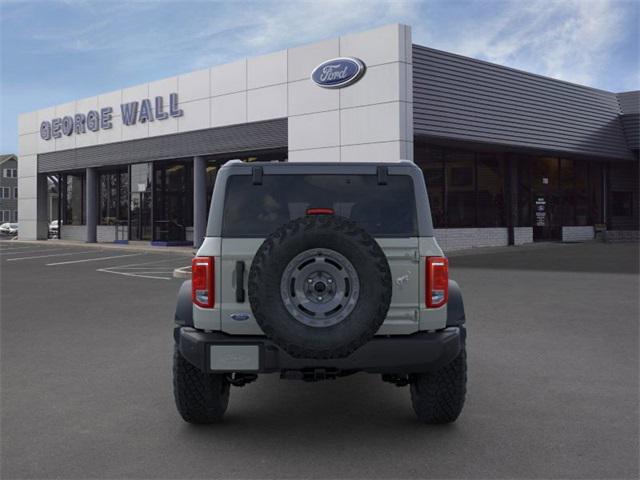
x,y
437,281
202,282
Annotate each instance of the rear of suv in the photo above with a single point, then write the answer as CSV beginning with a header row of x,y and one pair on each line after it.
x,y
317,271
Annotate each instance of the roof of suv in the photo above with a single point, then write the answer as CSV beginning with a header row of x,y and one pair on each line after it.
x,y
239,164
403,167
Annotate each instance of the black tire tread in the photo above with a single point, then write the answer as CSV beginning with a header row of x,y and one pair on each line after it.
x,y
338,225
438,397
201,398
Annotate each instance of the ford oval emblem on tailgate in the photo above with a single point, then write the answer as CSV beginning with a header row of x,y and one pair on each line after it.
x,y
338,73
239,317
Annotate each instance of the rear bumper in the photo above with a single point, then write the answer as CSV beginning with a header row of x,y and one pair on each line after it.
x,y
399,354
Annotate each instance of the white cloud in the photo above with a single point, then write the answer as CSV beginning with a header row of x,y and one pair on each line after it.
x,y
273,25
569,40
207,33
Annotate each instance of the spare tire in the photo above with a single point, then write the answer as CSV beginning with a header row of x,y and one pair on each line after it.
x,y
320,286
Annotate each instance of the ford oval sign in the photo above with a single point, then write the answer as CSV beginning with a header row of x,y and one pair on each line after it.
x,y
339,72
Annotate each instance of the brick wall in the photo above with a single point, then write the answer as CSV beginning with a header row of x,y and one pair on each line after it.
x,y
522,235
615,236
577,234
460,238
107,233
73,232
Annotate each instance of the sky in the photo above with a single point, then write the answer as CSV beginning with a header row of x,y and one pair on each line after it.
x,y
55,51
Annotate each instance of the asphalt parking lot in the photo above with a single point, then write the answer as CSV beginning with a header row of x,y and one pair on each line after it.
x,y
553,378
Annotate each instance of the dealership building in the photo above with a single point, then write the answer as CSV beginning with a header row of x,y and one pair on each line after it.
x,y
509,157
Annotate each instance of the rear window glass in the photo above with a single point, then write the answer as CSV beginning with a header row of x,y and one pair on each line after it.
x,y
257,210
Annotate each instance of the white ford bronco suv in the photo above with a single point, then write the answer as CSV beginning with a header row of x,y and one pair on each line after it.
x,y
317,271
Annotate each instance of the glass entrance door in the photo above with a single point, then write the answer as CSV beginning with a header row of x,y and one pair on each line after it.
x,y
140,213
546,201
140,219
173,201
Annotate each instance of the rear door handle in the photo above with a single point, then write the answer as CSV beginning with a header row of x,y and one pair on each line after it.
x,y
240,281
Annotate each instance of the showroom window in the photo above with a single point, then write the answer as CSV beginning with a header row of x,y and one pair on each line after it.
x,y
567,191
491,200
466,189
574,178
523,165
572,190
582,215
140,181
173,200
431,162
623,211
113,198
596,192
460,184
622,204
73,192
214,164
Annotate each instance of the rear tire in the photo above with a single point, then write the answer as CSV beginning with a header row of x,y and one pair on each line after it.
x,y
438,397
201,398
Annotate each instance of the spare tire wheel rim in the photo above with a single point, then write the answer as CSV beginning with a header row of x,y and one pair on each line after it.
x,y
320,287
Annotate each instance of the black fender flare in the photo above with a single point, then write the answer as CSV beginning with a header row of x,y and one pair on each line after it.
x,y
184,307
455,306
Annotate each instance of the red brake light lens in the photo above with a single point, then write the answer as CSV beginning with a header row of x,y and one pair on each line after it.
x,y
202,282
437,281
320,211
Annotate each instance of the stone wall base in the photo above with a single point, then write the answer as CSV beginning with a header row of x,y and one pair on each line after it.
x,y
578,234
522,235
73,232
461,238
616,236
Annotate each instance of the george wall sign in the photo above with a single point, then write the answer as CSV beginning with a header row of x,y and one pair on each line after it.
x,y
338,72
94,120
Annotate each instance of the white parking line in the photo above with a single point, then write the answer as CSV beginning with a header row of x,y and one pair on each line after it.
x,y
164,260
92,259
38,250
52,255
143,270
138,275
20,249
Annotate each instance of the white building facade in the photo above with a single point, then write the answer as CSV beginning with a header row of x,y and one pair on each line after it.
x,y
139,163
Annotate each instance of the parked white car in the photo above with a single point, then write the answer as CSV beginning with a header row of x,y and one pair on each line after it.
x,y
9,228
54,229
